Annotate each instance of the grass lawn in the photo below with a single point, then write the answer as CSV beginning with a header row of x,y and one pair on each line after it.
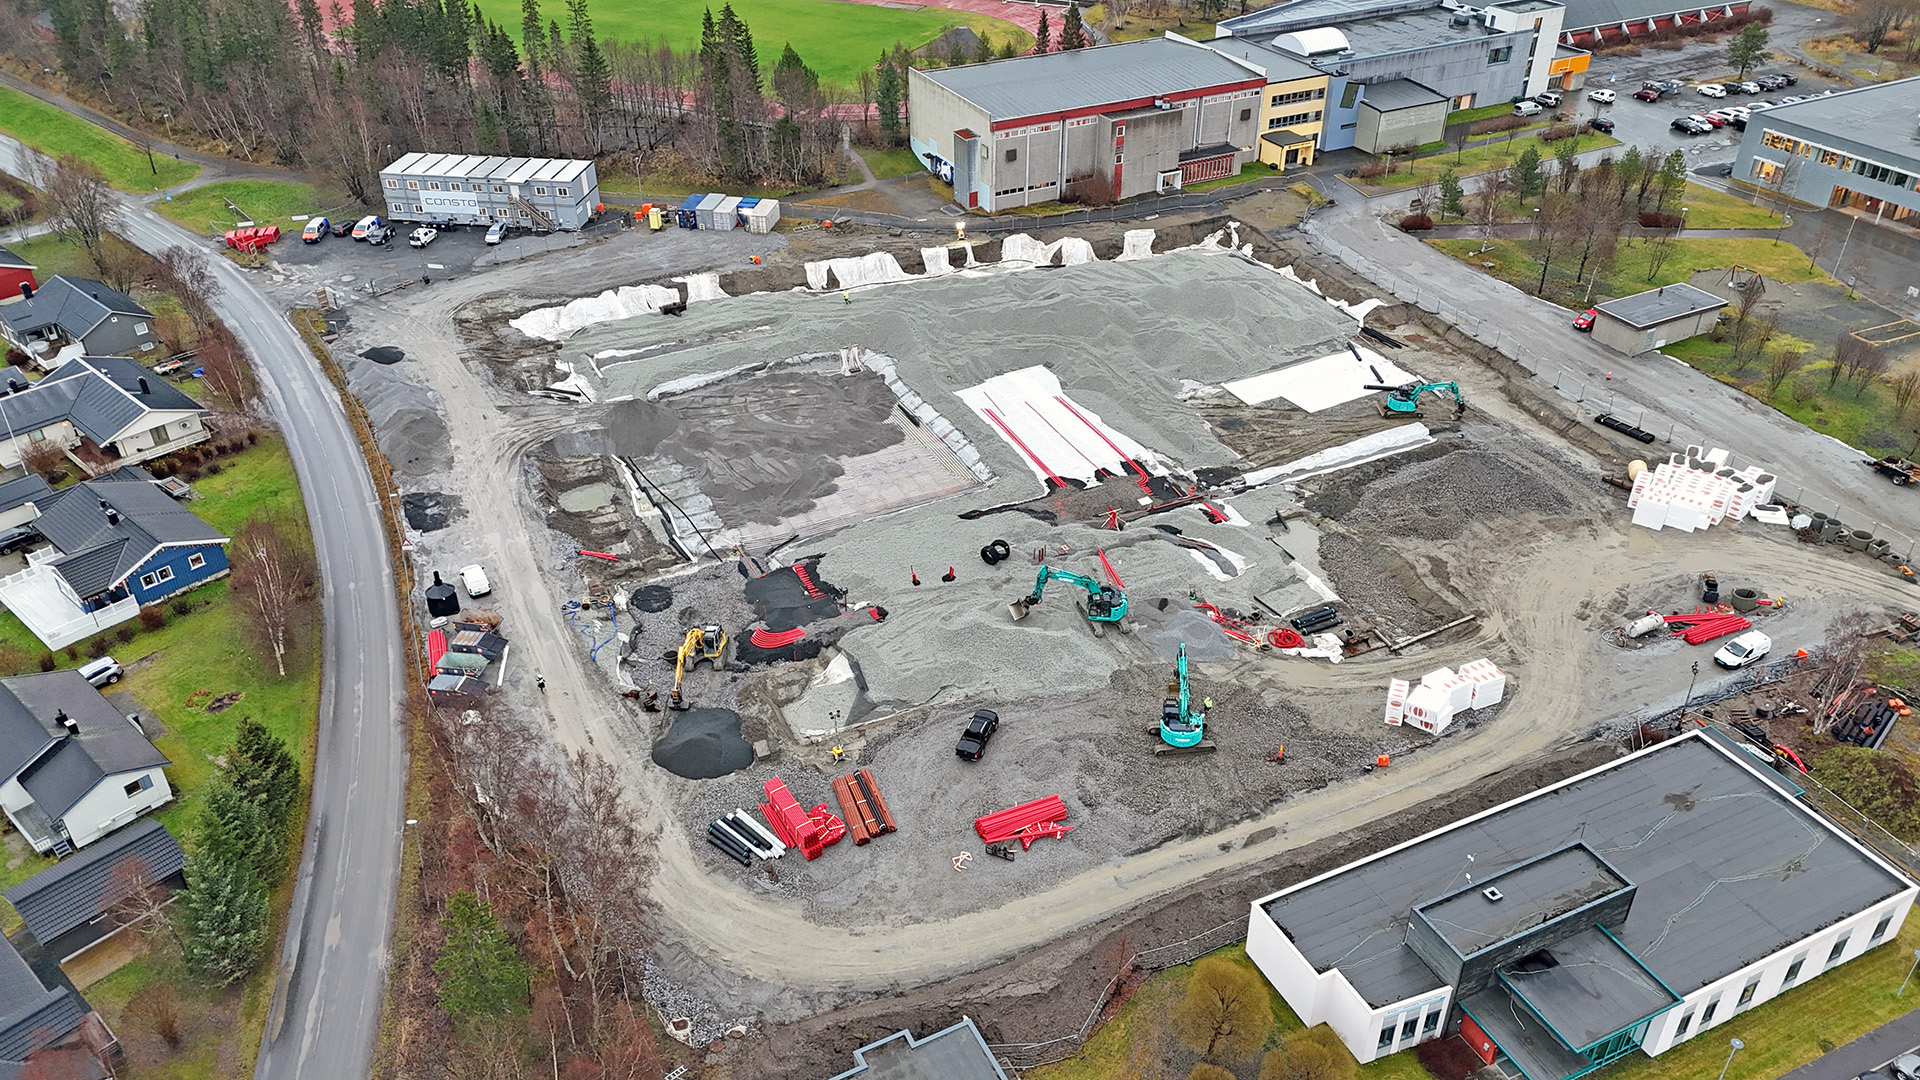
x,y
1483,112
1516,266
1134,28
172,672
887,164
52,254
838,40
1780,1034
265,202
1478,159
61,134
1711,209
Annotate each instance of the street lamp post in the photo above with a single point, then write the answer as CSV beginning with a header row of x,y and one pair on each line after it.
x,y
1841,261
1735,1047
1690,682
1909,978
1683,219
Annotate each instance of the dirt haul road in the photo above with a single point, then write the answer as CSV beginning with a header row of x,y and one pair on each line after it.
x,y
1543,597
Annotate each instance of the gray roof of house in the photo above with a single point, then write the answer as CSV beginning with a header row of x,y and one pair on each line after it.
x,y
100,395
32,1016
1882,115
107,743
1665,304
955,1053
10,260
31,488
74,304
1593,988
1677,821
1089,78
98,553
1396,94
1279,66
78,889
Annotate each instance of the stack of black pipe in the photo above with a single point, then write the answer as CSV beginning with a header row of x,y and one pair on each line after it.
x,y
738,842
1866,724
1319,620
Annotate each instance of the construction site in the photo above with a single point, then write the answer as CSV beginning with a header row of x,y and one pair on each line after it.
x,y
1182,508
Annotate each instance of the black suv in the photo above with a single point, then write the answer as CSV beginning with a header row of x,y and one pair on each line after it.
x,y
973,741
12,540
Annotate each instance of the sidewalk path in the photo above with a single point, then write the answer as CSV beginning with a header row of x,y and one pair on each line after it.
x,y
1869,1051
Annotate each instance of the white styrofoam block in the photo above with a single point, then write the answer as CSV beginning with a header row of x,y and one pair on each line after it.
x,y
1650,514
1488,688
1427,707
1718,456
1437,677
1640,484
1397,690
1459,694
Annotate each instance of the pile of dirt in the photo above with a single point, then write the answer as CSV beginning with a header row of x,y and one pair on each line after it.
x,y
384,354
1437,499
703,744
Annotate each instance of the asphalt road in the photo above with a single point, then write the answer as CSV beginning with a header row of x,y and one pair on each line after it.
x,y
326,1004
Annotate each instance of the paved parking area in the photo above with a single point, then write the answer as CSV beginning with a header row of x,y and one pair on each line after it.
x,y
346,264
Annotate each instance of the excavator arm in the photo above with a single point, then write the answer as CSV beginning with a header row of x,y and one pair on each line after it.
x,y
1105,603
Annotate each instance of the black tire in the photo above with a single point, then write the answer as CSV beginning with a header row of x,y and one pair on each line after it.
x,y
988,555
113,678
1000,548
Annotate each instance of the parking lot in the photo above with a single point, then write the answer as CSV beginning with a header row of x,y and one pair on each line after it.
x,y
1648,124
343,263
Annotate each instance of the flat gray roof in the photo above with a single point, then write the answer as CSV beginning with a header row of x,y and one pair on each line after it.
x,y
1279,66
1587,987
955,1053
1381,35
1521,1037
1530,894
1396,94
1680,820
1665,304
1305,13
1882,115
1090,78
478,167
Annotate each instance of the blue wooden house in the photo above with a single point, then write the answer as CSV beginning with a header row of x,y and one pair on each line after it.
x,y
121,537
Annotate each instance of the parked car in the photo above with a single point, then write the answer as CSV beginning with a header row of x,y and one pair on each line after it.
x,y
1687,125
1749,87
475,579
1551,99
1709,119
1604,97
343,227
496,232
422,236
168,367
1647,94
1526,108
365,224
1671,86
17,537
1601,124
1791,98
379,234
1713,90
1583,322
316,230
1788,77
102,671
1746,649
973,741
1907,1067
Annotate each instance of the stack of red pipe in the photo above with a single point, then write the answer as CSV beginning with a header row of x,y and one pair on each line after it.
x,y
1003,824
790,823
1704,626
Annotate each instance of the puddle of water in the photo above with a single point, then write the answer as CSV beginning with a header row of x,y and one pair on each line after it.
x,y
586,498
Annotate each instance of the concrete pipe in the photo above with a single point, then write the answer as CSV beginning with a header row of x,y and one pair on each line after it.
x,y
1833,530
1820,519
1634,469
1645,624
1746,601
1857,539
1878,547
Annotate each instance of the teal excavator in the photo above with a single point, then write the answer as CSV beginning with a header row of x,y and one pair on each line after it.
x,y
1105,606
1183,728
1404,401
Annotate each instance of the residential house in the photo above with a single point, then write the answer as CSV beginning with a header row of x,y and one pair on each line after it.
x,y
14,273
76,768
20,499
46,1028
115,543
74,316
1150,116
104,411
77,902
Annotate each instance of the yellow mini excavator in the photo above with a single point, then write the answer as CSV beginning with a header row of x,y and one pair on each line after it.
x,y
707,642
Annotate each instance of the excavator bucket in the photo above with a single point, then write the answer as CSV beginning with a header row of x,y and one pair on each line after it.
x,y
1018,609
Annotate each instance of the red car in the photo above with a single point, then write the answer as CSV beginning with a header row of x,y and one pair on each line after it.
x,y
1647,95
1584,321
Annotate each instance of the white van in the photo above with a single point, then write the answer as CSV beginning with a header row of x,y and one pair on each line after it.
x,y
1526,108
365,225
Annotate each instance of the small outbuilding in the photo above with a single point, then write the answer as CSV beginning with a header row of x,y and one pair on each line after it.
x,y
954,1053
1646,321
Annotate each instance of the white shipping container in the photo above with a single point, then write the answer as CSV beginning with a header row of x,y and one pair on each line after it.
x,y
726,216
704,211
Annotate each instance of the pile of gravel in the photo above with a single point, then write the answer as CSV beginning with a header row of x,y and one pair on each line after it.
x,y
1438,498
674,1002
703,744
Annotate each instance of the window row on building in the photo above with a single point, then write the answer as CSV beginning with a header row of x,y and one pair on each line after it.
x,y
1292,119
1296,97
1839,159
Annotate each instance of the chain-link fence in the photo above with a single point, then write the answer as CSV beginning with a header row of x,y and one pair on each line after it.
x,y
1158,958
1595,396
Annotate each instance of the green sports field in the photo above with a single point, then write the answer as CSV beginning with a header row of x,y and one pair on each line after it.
x,y
836,39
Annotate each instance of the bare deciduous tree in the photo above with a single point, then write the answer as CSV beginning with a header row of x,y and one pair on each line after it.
x,y
1782,362
274,577
1486,205
80,205
1904,386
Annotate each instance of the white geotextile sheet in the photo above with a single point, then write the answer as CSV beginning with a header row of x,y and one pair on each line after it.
x,y
1027,409
1392,440
1316,385
556,323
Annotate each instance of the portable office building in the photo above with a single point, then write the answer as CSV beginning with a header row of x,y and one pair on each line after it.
x,y
542,194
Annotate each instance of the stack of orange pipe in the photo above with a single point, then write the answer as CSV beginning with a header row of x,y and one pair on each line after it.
x,y
860,802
